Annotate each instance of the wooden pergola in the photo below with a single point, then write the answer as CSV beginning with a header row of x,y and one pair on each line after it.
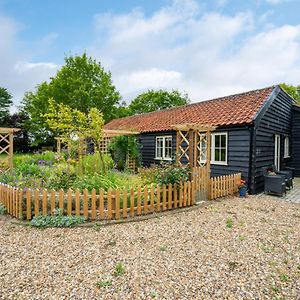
x,y
107,135
193,142
7,143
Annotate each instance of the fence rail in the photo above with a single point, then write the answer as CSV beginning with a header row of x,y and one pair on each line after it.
x,y
114,204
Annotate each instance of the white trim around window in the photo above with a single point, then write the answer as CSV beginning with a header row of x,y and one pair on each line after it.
x,y
163,147
219,148
286,147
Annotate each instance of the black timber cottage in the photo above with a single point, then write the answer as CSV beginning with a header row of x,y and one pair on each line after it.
x,y
253,129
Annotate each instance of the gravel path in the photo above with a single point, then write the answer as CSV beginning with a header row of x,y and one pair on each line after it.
x,y
189,255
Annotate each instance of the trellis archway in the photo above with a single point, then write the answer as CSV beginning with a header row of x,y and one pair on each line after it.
x,y
193,143
7,143
106,139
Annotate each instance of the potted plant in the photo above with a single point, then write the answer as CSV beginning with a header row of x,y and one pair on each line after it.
x,y
243,188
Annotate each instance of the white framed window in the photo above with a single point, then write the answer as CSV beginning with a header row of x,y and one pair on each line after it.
x,y
219,145
202,148
163,147
286,147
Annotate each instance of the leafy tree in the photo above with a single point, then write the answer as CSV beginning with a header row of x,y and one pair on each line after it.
x,y
21,138
72,124
294,91
81,83
157,100
5,103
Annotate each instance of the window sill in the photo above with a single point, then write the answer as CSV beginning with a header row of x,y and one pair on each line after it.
x,y
160,158
220,163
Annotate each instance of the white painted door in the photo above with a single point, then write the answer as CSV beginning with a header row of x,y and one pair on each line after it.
x,y
277,152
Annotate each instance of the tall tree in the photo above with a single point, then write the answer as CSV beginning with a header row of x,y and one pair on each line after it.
x,y
81,83
5,103
157,100
292,90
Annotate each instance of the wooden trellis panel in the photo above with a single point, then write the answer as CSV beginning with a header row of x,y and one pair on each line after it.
x,y
183,147
104,144
7,143
131,163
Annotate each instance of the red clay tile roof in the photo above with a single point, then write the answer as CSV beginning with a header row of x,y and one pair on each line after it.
x,y
230,110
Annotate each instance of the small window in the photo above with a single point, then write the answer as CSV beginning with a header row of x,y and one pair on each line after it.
x,y
163,149
286,147
202,149
219,148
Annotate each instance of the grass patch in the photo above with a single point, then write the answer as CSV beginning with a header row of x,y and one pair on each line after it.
x,y
229,223
264,248
119,269
242,238
284,277
163,248
103,283
153,295
275,289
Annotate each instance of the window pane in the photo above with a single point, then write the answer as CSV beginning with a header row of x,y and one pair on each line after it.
x,y
217,155
168,143
168,152
217,141
159,147
223,141
223,155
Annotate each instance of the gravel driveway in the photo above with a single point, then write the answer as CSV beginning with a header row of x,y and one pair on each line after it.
x,y
233,249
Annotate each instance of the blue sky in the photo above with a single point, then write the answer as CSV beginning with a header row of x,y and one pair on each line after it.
x,y
205,48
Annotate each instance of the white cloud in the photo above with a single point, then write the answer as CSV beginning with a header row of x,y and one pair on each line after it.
x,y
17,74
180,46
204,53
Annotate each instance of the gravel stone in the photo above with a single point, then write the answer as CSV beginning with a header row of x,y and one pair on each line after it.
x,y
188,255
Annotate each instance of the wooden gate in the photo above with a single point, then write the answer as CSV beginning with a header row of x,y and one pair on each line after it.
x,y
193,150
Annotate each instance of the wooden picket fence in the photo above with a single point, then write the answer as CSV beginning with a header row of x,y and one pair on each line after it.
x,y
222,186
114,204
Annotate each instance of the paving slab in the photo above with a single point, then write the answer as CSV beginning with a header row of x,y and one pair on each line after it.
x,y
293,195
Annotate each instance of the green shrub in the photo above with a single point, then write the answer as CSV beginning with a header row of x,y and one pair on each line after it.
x,y
48,157
121,147
96,181
33,170
58,220
63,180
172,174
92,163
149,175
3,210
19,159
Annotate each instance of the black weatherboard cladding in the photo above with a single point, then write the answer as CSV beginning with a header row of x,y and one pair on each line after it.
x,y
237,154
276,119
295,163
148,141
238,150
